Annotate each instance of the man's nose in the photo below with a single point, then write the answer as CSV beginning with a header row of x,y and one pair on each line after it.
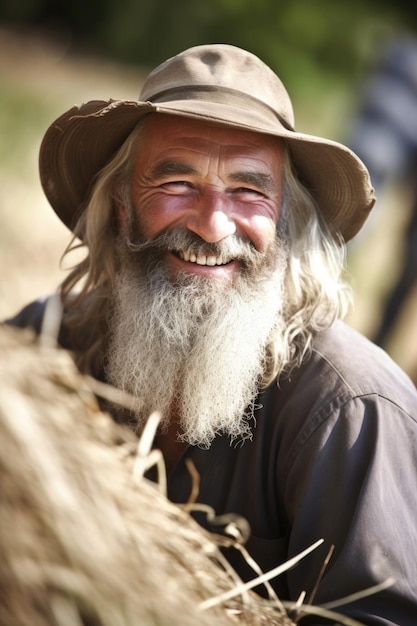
x,y
211,217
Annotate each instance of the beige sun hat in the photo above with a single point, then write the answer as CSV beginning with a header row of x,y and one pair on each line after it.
x,y
217,83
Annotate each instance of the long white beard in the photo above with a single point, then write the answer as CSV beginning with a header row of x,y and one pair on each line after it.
x,y
194,350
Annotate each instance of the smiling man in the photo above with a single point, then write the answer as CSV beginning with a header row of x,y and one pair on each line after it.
x,y
213,292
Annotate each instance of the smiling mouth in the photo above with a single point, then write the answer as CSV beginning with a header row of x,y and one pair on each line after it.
x,y
203,259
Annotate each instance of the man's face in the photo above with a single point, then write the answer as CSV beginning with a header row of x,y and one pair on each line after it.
x,y
213,181
199,291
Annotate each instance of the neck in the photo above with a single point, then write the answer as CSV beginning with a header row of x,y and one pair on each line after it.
x,y
169,445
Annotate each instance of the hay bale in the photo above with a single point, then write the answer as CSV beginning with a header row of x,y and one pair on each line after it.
x,y
82,541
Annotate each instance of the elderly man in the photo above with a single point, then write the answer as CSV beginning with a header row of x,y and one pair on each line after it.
x,y
212,290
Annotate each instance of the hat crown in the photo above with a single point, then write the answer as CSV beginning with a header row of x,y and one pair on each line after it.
x,y
221,68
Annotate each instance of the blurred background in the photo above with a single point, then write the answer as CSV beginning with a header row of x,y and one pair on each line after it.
x,y
350,67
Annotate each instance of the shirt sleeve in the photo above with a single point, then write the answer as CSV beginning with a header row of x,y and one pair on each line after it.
x,y
352,482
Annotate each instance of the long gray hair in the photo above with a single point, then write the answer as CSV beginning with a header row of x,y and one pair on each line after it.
x,y
316,292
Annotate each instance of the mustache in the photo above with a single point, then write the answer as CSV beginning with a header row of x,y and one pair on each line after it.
x,y
232,247
183,239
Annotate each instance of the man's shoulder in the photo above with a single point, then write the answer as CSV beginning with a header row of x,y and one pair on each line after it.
x,y
363,365
72,323
344,362
44,315
343,367
30,316
345,380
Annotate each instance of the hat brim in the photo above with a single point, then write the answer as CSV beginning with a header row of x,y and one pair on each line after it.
x,y
80,143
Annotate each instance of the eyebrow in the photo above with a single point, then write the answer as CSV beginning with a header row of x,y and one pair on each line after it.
x,y
258,179
166,168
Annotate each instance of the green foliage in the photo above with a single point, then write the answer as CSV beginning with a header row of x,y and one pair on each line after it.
x,y
333,32
311,44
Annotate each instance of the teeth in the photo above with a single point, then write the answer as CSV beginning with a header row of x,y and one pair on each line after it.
x,y
202,259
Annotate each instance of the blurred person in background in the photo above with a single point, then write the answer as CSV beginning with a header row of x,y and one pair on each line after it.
x,y
213,291
385,138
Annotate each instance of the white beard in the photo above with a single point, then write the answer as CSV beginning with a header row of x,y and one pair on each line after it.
x,y
193,349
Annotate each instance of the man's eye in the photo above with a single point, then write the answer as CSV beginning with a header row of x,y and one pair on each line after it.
x,y
177,185
248,192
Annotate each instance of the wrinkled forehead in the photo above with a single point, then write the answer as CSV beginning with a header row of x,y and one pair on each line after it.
x,y
160,134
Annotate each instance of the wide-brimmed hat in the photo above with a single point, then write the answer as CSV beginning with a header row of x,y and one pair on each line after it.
x,y
216,83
